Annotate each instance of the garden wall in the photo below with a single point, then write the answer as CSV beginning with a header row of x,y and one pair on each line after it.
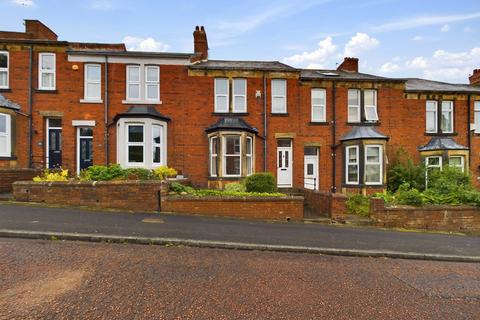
x,y
443,218
327,204
9,176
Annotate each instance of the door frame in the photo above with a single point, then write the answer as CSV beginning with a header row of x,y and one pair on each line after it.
x,y
290,155
78,144
47,139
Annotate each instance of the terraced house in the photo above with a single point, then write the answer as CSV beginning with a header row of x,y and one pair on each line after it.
x,y
73,104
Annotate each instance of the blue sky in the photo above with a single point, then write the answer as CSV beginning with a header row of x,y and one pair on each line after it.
x,y
434,39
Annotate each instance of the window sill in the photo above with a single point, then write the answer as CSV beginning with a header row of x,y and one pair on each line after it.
x,y
227,114
90,101
5,90
441,134
279,114
8,158
141,102
50,91
319,123
376,123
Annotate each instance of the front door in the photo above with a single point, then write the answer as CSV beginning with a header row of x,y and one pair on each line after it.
x,y
85,148
54,143
284,164
311,168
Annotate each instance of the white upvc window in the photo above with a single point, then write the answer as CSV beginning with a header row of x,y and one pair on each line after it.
x,y
249,155
221,94
214,150
135,144
279,96
432,163
370,105
431,117
476,114
133,82
232,159
318,97
353,105
46,71
352,165
93,82
4,65
373,164
152,83
447,117
457,162
5,135
239,95
157,144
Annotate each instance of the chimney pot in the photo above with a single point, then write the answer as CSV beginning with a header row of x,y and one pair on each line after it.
x,y
349,64
200,44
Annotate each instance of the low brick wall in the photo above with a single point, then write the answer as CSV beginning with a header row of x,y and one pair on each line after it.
x,y
274,208
9,176
443,218
328,204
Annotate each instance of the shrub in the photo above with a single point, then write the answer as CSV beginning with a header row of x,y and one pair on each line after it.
x,y
139,174
235,187
358,204
164,172
408,196
177,187
448,180
261,182
102,173
55,175
406,172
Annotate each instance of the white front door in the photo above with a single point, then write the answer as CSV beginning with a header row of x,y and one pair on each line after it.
x,y
311,172
284,167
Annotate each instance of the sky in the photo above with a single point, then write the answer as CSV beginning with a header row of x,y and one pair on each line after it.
x,y
431,39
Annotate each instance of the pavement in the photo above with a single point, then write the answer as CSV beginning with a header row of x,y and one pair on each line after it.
x,y
69,223
82,280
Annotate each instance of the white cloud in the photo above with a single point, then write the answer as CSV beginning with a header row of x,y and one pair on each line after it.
x,y
445,28
359,43
417,63
25,3
389,67
417,38
144,44
411,23
102,5
316,58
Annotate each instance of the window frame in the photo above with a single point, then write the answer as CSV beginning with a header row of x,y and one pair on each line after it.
x,y
452,111
130,82
213,156
225,155
151,83
157,145
96,82
427,166
476,116
7,135
249,155
462,162
379,164
434,105
284,96
348,164
42,71
234,95
372,106
6,70
356,106
227,95
323,114
128,144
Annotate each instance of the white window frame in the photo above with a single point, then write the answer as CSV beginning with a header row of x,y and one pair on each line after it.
x,y
249,155
431,107
7,135
354,106
451,110
87,81
283,96
6,70
476,116
244,96
225,155
371,106
152,83
348,164
131,82
213,156
132,144
46,71
379,163
319,111
462,162
427,166
157,145
227,95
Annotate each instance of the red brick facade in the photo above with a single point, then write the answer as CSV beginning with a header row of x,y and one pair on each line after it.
x,y
187,97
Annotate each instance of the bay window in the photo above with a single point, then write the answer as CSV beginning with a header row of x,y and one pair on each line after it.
x,y
46,71
93,82
5,135
232,155
318,97
447,117
279,96
353,105
135,144
214,151
249,156
156,143
352,165
431,117
457,162
373,164
4,65
221,95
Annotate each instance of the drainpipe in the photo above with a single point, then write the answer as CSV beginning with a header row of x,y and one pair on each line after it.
x,y
264,123
30,108
469,138
334,138
106,142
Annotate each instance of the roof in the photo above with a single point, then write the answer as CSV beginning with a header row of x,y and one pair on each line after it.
x,y
4,102
441,143
243,65
142,54
231,124
363,132
142,112
415,84
323,74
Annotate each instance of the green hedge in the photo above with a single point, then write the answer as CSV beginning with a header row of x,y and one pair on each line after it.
x,y
263,182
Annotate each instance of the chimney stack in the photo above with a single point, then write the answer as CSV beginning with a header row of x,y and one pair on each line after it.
x,y
200,44
349,64
475,78
39,31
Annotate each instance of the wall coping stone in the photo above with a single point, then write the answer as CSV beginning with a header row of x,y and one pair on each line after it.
x,y
233,199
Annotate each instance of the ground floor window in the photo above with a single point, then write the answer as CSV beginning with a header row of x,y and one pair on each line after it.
x,y
373,164
352,165
5,135
457,162
364,164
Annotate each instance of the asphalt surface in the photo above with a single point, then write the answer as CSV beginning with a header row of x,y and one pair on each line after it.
x,y
81,280
22,217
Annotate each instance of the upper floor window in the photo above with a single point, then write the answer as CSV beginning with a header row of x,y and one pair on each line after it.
x,y
93,82
143,83
318,105
221,95
4,57
476,111
353,105
370,102
369,111
434,115
5,135
46,71
447,116
152,83
239,95
279,96
431,117
133,82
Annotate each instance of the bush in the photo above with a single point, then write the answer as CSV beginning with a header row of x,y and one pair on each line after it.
x,y
408,196
358,204
102,173
177,187
261,182
406,172
164,172
55,175
139,174
235,187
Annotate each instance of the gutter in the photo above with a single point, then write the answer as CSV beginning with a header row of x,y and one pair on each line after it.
x,y
334,138
106,135
30,107
265,125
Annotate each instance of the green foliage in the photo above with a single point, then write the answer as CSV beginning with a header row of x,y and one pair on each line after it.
x,y
263,182
177,187
180,188
164,172
358,204
52,175
408,196
102,173
405,171
235,187
139,174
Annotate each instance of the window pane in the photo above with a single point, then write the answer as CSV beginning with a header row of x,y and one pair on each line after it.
x,y
135,133
3,78
3,60
310,151
47,62
318,114
152,91
239,86
353,114
93,90
156,134
435,161
232,144
47,80
232,165
373,154
214,166
152,74
86,132
278,104
249,166
371,113
278,87
55,123
249,146
133,74
455,161
352,155
318,97
369,96
93,72
352,173
156,155
284,142
214,146
431,121
134,91
353,97
135,154
239,103
372,173
310,169
3,124
447,116
221,86
222,103
3,145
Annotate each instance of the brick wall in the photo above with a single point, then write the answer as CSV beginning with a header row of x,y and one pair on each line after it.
x,y
444,218
329,204
8,176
